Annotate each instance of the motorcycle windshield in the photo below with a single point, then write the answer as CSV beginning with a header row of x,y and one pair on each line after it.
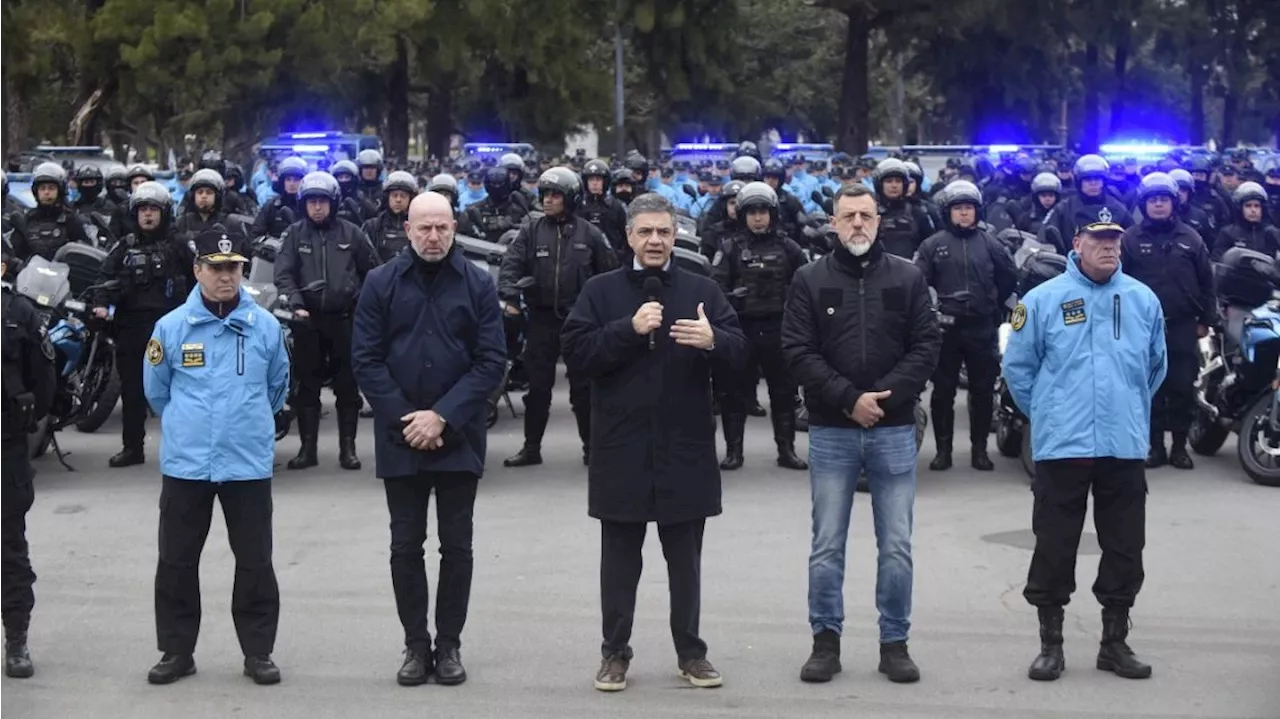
x,y
43,282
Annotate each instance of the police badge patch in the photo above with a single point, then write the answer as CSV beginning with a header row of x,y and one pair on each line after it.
x,y
1104,215
155,352
1019,317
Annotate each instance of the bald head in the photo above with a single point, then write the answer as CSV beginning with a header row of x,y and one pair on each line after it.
x,y
430,226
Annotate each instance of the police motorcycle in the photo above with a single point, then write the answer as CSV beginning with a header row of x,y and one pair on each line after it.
x,y
87,387
1238,389
1036,263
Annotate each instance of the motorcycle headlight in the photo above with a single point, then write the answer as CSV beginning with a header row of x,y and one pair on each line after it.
x,y
74,305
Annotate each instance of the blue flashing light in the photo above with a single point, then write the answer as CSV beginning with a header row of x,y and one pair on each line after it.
x,y
1134,149
1002,148
310,148
703,146
487,149
310,135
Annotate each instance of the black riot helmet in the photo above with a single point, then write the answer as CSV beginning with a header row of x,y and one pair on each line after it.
x,y
638,165
758,195
773,167
498,184
89,181
212,160
564,181
138,170
596,168
745,168
50,173
747,148
152,194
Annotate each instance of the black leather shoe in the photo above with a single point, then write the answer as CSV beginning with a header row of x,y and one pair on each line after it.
x,y
980,461
756,410
309,437
262,670
942,461
415,670
1157,457
526,457
127,458
449,669
17,660
1179,459
171,668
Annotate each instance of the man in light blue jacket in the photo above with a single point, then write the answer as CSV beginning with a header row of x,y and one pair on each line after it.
x,y
1085,357
216,372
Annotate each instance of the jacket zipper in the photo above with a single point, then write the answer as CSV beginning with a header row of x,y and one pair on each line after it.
x,y
862,320
239,354
555,298
324,268
1115,314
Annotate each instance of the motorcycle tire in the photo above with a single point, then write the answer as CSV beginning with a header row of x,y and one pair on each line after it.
x,y
1261,467
1008,438
38,442
1028,459
1206,435
101,407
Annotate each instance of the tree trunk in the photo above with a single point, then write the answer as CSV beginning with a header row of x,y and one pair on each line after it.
x,y
16,118
854,103
1230,110
398,103
1118,92
440,118
1091,119
1195,132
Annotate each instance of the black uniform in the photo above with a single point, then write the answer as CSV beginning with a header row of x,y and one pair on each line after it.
x,y
339,254
191,223
43,229
96,205
29,381
237,203
1077,210
1171,259
561,257
763,265
386,234
609,216
1208,201
276,216
973,275
155,276
1259,236
1196,219
903,226
489,220
790,210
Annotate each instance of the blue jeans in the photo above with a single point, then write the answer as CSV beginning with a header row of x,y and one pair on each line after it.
x,y
837,456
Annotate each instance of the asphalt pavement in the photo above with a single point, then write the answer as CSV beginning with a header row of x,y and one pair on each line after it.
x,y
1206,618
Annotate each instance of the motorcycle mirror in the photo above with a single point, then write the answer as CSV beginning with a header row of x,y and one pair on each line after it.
x,y
816,197
826,190
689,191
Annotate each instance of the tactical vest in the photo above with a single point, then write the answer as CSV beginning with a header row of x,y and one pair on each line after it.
x,y
143,265
764,275
493,222
594,212
391,238
898,231
44,235
281,217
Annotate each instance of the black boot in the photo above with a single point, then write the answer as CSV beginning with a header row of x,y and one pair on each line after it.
x,y
527,456
348,423
171,668
1114,654
735,429
756,410
824,661
17,660
944,421
1156,456
127,457
309,435
896,663
1178,457
1050,664
784,435
980,461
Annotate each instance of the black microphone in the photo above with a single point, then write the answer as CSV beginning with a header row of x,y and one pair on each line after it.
x,y
652,288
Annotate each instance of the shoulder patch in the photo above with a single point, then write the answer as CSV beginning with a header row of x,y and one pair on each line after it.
x,y
155,352
1019,318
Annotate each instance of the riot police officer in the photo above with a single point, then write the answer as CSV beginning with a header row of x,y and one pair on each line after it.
x,y
1091,203
11,205
1169,257
726,205
1046,191
973,275
916,194
607,214
623,187
903,225
447,185
561,252
90,187
370,164
202,211
1204,196
746,168
1193,216
234,199
282,210
138,174
153,267
29,381
321,266
497,213
116,180
754,268
51,224
353,206
1251,229
386,231
789,208
515,167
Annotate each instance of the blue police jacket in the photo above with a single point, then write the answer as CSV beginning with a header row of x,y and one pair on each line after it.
x,y
424,342
1083,361
216,386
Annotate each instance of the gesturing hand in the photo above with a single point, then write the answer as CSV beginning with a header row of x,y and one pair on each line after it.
x,y
648,318
422,429
694,333
866,411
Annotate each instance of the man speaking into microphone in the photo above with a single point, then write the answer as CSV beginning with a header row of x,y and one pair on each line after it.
x,y
649,338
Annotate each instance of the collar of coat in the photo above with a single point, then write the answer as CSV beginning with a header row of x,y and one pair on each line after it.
x,y
241,316
405,261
